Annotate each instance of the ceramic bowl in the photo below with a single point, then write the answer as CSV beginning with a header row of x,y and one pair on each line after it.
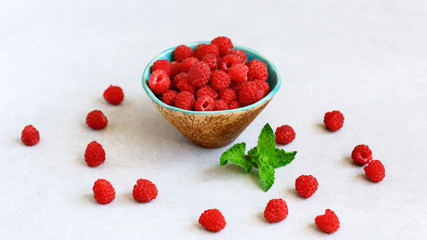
x,y
213,129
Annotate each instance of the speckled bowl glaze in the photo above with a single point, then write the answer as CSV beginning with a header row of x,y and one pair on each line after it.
x,y
213,129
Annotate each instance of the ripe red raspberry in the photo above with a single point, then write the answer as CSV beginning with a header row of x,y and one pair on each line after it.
x,y
183,52
187,64
205,49
94,154
169,97
250,93
96,120
224,45
361,154
257,70
182,83
211,60
164,65
212,220
228,61
238,72
144,190
234,104
334,120
207,91
237,86
185,100
159,82
175,69
114,95
103,191
375,171
306,185
228,95
263,85
328,222
285,134
204,103
220,105
220,80
241,54
30,135
199,74
276,210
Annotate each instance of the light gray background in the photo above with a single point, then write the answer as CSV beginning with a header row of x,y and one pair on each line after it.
x,y
365,58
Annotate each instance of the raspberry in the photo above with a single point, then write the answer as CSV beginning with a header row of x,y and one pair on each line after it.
x,y
144,190
361,154
375,171
187,64
241,54
159,82
94,154
185,100
199,74
175,69
306,185
228,61
183,52
207,91
276,210
30,135
182,83
211,60
334,120
169,97
114,95
285,134
263,85
238,72
96,120
220,105
328,222
220,80
164,65
234,104
212,220
205,49
257,70
250,93
103,191
224,45
204,103
228,95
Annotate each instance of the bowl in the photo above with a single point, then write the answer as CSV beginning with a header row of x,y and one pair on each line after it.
x,y
213,129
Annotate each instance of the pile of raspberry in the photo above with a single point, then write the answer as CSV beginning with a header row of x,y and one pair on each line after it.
x,y
211,77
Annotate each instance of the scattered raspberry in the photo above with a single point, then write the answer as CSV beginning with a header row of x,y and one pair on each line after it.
x,y
257,70
263,85
224,45
103,191
30,135
238,72
328,222
199,74
285,134
94,154
175,69
187,64
205,49
234,104
204,103
182,83
207,91
276,210
96,120
250,93
375,171
361,154
183,52
114,95
220,80
144,190
220,105
334,120
228,95
159,82
228,61
185,100
241,54
306,185
169,97
211,60
212,220
164,65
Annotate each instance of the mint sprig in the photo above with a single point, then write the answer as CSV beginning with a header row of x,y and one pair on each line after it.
x,y
265,156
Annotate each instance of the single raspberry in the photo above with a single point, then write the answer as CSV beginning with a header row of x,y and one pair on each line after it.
x,y
276,210
257,70
306,185
361,154
169,97
211,60
164,65
375,171
238,72
30,135
328,222
234,104
204,103
263,85
159,82
94,154
237,86
207,91
205,49
181,82
187,64
114,95
241,54
212,220
220,80
96,120
185,100
220,105
334,120
224,45
250,93
144,190
285,134
103,191
183,52
228,95
175,69
199,74
228,61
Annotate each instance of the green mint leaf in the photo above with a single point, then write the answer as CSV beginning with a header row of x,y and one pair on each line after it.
x,y
236,155
266,173
266,139
281,158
